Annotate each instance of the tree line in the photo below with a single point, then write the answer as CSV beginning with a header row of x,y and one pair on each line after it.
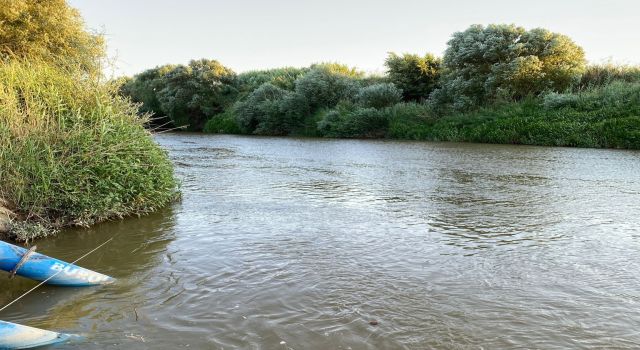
x,y
482,66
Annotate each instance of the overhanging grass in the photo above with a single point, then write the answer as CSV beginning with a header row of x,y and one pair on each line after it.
x,y
74,153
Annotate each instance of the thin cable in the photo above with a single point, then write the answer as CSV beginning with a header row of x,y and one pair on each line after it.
x,y
54,275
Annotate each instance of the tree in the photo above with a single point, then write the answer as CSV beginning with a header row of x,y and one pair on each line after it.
x,y
417,76
505,61
143,88
191,94
50,31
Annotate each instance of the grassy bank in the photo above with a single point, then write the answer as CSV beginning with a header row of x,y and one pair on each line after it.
x,y
72,152
606,116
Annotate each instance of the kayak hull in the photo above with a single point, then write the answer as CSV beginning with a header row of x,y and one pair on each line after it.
x,y
15,336
40,267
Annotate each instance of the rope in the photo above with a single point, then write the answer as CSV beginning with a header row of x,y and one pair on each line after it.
x,y
22,261
54,275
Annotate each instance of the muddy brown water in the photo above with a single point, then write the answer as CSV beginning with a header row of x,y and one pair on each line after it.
x,y
282,243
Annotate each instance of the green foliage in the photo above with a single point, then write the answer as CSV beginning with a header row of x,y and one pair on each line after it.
x,y
373,79
600,75
409,120
417,76
49,31
339,69
498,62
191,94
615,98
327,84
379,95
223,123
607,116
349,120
269,110
74,153
283,78
499,83
143,89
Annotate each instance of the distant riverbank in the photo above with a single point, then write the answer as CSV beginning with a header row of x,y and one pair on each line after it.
x,y
494,84
603,117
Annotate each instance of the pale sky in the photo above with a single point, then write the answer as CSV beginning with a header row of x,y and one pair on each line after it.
x,y
258,34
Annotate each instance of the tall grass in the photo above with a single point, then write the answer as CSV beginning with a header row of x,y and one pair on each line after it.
x,y
603,74
74,153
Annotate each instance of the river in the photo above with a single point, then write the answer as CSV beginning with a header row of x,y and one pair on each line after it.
x,y
285,243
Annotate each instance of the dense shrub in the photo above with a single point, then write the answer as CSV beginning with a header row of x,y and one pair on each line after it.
x,y
379,95
352,121
617,98
326,85
74,153
599,75
408,120
606,116
417,76
483,64
192,94
223,123
269,110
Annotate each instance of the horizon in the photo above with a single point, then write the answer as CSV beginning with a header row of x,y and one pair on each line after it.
x,y
248,35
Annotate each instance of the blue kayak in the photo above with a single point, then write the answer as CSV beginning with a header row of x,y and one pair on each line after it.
x,y
29,264
15,336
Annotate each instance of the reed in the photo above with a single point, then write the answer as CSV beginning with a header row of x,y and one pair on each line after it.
x,y
73,152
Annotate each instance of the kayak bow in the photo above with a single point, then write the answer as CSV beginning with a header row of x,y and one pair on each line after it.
x,y
15,336
40,267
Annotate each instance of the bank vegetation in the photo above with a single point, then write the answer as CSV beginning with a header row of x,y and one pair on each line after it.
x,y
73,151
496,84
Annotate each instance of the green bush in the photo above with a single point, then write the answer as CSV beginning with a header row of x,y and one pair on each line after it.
x,y
606,116
417,76
351,121
409,120
270,110
379,95
617,98
326,85
505,62
223,123
74,153
192,94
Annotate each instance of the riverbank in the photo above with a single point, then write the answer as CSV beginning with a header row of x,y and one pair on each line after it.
x,y
73,153
607,116
603,117
602,109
